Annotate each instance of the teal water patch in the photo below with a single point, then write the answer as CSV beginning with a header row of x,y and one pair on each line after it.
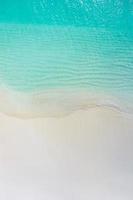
x,y
37,57
52,46
92,13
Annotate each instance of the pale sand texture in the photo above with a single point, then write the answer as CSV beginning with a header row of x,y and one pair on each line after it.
x,y
84,156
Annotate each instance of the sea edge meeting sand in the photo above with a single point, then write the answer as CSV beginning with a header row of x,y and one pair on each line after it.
x,y
57,103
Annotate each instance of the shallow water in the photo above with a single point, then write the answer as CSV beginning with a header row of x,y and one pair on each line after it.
x,y
51,54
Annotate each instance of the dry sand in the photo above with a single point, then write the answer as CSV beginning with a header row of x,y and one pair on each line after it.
x,y
84,156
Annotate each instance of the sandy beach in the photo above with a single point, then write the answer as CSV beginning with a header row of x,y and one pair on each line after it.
x,y
66,100
85,155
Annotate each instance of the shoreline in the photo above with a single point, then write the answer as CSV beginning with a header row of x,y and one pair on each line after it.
x,y
60,158
58,103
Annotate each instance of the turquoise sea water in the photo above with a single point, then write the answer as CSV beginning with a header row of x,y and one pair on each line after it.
x,y
66,54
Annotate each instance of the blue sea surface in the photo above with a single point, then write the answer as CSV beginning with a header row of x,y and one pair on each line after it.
x,y
79,45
